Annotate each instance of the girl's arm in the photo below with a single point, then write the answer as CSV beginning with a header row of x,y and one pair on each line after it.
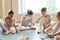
x,y
31,21
9,24
57,28
49,19
38,19
23,22
50,28
47,32
52,34
14,22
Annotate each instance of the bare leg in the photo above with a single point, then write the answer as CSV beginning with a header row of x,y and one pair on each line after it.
x,y
3,27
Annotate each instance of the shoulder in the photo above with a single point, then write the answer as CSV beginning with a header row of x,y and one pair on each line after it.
x,y
48,15
14,18
24,16
6,18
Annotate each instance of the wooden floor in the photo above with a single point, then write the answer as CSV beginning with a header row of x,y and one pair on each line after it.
x,y
32,34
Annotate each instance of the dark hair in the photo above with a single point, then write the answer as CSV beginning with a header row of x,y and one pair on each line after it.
x,y
43,9
58,14
11,12
29,12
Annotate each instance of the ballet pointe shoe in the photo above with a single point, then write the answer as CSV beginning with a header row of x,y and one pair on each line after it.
x,y
27,38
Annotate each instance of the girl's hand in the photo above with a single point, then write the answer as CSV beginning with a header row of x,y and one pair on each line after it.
x,y
33,23
29,25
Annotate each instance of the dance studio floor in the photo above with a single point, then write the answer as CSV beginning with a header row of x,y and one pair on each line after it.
x,y
32,34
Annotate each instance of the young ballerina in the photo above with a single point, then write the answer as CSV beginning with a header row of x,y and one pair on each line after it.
x,y
28,19
54,31
45,19
10,22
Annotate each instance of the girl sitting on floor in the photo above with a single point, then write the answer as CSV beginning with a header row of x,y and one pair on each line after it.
x,y
28,19
45,19
9,23
55,30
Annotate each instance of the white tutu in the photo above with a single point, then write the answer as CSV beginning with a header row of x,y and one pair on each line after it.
x,y
12,30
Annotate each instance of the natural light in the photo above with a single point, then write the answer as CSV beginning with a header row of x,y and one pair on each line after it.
x,y
34,5
57,5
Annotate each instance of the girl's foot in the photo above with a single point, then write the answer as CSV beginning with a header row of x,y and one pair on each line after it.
x,y
39,32
7,32
18,29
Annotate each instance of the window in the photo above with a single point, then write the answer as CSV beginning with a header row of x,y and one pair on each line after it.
x,y
34,5
57,5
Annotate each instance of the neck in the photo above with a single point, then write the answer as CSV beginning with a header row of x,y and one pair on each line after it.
x,y
45,15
